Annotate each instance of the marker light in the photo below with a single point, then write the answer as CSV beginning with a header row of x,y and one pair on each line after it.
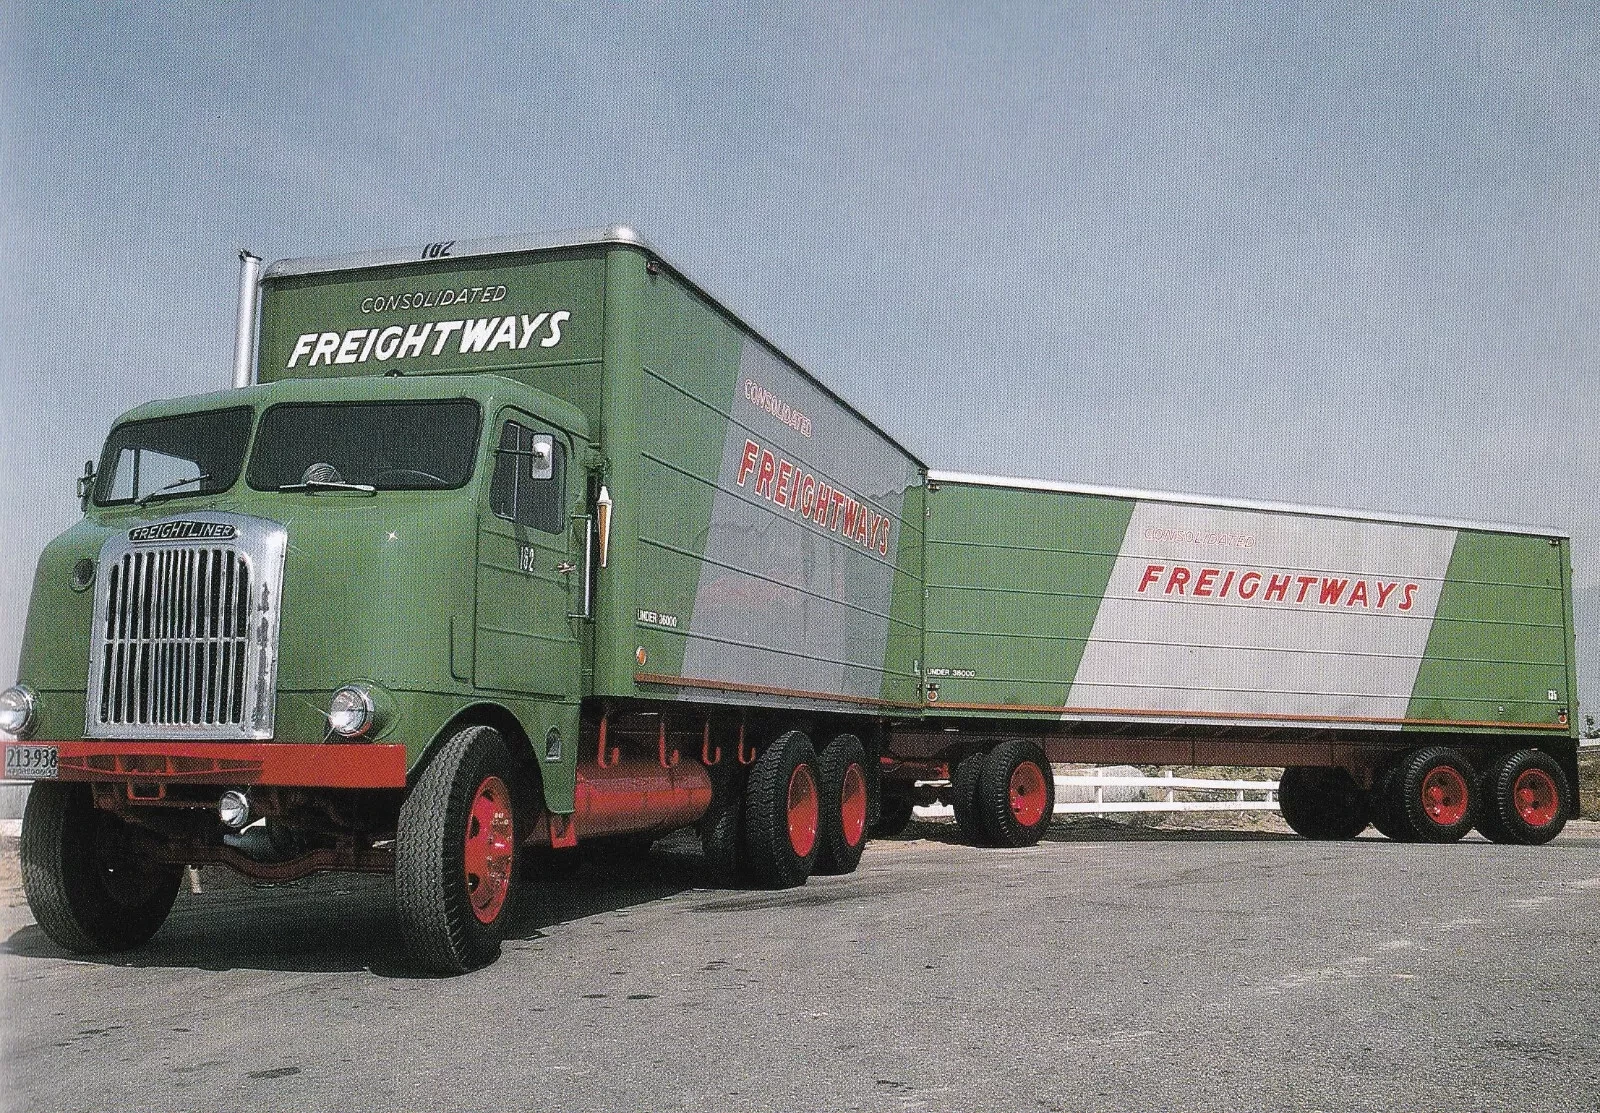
x,y
351,712
17,709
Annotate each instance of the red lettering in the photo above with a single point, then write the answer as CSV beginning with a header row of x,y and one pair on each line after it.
x,y
1305,586
1249,584
1277,588
1384,591
1227,582
1208,576
820,511
1152,573
836,509
808,496
883,542
764,475
1358,593
851,509
1411,591
785,473
861,523
1176,579
752,452
1331,590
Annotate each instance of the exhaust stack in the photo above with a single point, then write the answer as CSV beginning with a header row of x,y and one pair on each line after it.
x,y
243,344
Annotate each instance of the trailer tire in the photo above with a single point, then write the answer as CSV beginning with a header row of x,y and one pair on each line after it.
x,y
88,886
894,815
1016,793
1322,803
456,854
1433,791
1382,804
1525,799
964,780
782,813
842,781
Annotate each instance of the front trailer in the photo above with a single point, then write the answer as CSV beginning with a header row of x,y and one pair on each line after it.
x,y
518,546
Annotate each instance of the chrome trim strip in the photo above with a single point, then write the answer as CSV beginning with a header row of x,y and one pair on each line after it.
x,y
978,480
494,245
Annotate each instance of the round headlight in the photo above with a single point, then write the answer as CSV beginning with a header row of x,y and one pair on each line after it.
x,y
17,709
351,712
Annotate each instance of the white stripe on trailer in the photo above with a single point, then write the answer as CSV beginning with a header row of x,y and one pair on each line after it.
x,y
1197,618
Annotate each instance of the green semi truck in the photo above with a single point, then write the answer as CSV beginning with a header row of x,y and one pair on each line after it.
x,y
500,548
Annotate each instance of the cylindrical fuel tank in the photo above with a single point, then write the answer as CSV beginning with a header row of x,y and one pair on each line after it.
x,y
639,795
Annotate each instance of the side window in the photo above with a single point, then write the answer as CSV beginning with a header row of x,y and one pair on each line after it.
x,y
529,486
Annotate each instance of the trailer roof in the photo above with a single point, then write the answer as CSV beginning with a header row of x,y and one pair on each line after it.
x,y
1237,504
587,237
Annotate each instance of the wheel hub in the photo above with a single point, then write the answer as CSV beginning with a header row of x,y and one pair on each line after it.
x,y
489,849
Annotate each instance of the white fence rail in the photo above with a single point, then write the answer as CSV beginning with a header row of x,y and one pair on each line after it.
x,y
1131,793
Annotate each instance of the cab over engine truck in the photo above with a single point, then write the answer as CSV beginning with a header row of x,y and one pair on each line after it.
x,y
515,544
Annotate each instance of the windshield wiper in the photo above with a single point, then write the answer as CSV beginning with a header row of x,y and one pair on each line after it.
x,y
176,483
312,486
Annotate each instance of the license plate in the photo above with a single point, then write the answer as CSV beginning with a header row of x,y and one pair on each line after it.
x,y
30,762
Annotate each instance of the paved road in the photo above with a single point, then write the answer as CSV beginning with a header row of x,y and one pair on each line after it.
x,y
1103,970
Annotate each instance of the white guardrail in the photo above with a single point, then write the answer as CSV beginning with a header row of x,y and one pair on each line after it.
x,y
1132,793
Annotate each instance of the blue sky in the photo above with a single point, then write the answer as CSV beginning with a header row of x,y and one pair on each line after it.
x,y
1331,254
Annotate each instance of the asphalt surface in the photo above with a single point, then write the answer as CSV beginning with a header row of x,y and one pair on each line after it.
x,y
1107,969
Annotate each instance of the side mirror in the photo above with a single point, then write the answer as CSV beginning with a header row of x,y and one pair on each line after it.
x,y
86,483
541,463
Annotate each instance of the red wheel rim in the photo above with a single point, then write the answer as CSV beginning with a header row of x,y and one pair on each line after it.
x,y
1444,796
803,810
853,805
1536,798
489,849
1027,794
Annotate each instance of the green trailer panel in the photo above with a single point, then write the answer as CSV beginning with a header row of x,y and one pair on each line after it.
x,y
1081,605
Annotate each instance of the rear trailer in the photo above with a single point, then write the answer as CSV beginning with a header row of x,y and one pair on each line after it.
x,y
1411,673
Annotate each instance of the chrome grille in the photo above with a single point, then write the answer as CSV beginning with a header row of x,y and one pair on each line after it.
x,y
186,635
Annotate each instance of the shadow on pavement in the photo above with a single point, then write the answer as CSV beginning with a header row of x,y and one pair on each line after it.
x,y
333,923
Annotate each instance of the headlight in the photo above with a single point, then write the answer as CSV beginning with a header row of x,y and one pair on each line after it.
x,y
17,709
351,712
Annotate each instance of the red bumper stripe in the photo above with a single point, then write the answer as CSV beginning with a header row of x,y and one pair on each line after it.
x,y
326,765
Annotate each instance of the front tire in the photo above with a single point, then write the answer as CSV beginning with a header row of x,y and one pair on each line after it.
x,y
456,854
88,884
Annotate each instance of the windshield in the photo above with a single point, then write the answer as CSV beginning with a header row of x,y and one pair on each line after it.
x,y
173,457
382,446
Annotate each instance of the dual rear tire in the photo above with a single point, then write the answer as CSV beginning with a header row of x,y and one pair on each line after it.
x,y
1004,796
799,813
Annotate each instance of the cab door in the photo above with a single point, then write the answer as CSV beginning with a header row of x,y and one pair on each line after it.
x,y
529,572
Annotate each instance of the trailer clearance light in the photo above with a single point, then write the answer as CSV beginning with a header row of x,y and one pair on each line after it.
x,y
17,709
351,712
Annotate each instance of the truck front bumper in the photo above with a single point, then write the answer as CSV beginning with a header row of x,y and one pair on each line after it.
x,y
324,765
